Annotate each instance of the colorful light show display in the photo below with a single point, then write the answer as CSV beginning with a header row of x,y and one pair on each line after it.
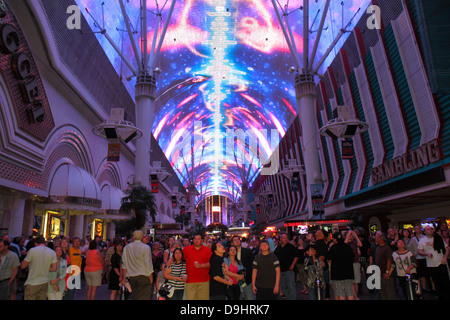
x,y
225,97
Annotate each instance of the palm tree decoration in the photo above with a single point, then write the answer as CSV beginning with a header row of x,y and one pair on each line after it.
x,y
140,201
183,219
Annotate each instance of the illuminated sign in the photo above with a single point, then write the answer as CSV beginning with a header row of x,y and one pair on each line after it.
x,y
316,222
97,228
270,229
415,159
78,200
113,152
216,209
22,77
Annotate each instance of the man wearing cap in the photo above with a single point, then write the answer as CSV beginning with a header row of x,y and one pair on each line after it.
x,y
341,258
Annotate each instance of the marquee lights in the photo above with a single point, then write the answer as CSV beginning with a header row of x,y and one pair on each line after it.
x,y
316,222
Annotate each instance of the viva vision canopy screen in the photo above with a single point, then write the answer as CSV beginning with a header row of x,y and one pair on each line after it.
x,y
225,96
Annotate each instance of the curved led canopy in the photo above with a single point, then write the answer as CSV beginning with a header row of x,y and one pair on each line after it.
x,y
224,86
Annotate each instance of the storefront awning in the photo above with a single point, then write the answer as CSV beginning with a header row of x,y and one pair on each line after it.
x,y
163,218
170,231
73,189
111,198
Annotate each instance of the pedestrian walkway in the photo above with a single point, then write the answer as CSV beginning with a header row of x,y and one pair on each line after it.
x,y
103,293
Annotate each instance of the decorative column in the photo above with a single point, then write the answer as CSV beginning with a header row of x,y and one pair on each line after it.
x,y
16,218
78,228
144,99
305,90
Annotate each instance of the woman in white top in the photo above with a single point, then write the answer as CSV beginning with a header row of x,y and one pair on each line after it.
x,y
57,283
436,251
405,265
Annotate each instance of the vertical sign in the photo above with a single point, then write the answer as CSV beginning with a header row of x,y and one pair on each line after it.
x,y
317,199
113,152
295,182
270,201
347,149
154,183
174,201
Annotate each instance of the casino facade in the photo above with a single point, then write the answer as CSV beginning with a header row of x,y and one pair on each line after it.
x,y
55,177
396,80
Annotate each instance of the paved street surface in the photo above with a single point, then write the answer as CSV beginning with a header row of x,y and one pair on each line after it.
x,y
103,293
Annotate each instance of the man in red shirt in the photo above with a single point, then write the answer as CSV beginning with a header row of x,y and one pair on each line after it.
x,y
197,258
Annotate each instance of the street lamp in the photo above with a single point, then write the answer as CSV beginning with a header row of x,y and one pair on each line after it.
x,y
291,169
345,126
116,128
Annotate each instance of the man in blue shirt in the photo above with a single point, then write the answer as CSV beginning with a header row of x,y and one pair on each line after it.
x,y
269,235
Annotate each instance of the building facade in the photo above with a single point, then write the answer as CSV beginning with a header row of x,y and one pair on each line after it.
x,y
56,84
394,78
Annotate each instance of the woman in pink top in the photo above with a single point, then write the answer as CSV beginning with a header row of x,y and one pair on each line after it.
x,y
95,266
234,270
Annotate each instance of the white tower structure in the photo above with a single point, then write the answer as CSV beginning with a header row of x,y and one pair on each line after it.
x,y
145,72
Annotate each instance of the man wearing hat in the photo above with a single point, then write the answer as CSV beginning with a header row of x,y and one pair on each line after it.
x,y
341,258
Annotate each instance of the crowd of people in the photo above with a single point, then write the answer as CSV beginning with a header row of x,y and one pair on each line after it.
x,y
399,264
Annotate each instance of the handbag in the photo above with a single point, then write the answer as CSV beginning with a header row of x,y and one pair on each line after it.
x,y
166,290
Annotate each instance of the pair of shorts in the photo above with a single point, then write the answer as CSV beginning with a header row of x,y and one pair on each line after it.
x,y
36,292
94,278
342,288
197,290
